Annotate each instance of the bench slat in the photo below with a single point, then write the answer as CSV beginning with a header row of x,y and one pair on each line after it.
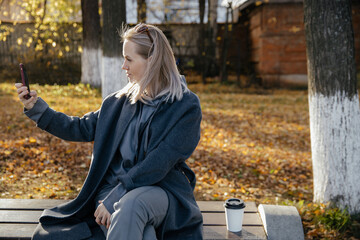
x,y
24,231
250,219
29,204
35,204
21,216
220,232
16,231
218,206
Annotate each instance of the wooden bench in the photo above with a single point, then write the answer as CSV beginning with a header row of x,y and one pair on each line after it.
x,y
19,217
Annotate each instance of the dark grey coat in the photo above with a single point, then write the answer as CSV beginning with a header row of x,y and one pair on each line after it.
x,y
173,135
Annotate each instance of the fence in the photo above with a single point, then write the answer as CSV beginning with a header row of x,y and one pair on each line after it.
x,y
49,58
59,59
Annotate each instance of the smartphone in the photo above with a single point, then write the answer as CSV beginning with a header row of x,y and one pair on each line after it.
x,y
24,79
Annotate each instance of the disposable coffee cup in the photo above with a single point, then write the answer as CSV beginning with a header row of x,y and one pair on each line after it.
x,y
234,212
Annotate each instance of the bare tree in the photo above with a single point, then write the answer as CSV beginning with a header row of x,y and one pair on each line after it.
x,y
333,102
91,55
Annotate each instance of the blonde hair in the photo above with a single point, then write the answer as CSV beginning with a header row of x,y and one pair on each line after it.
x,y
161,76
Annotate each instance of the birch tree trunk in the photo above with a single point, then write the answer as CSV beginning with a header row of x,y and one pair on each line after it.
x,y
333,103
113,77
91,55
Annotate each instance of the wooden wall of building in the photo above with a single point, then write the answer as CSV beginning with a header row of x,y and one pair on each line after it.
x,y
277,42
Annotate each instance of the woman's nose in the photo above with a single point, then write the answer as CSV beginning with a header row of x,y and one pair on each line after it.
x,y
125,67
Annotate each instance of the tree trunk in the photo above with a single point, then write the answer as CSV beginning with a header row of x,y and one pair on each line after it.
x,y
212,20
201,10
113,77
225,45
333,103
201,40
141,11
210,42
91,55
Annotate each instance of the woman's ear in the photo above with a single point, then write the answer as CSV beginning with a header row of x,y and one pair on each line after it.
x,y
149,58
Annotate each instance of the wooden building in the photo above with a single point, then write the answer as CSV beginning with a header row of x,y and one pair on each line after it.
x,y
275,34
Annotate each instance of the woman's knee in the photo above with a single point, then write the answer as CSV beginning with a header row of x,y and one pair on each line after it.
x,y
131,201
147,203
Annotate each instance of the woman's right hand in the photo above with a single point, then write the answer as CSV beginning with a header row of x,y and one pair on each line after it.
x,y
22,91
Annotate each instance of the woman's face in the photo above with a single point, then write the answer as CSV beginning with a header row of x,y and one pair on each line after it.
x,y
134,64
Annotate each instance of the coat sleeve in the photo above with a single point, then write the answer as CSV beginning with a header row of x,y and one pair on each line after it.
x,y
115,194
61,125
178,144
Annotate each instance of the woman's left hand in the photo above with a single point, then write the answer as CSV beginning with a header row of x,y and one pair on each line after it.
x,y
102,215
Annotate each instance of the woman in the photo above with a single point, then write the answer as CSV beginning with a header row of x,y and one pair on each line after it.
x,y
138,185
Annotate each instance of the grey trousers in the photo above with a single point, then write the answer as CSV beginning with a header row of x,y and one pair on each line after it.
x,y
137,214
